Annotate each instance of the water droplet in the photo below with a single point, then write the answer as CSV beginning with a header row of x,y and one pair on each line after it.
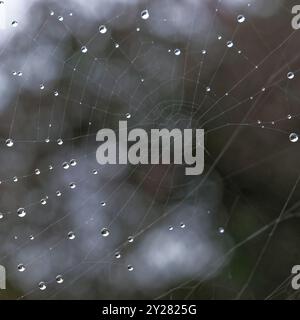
x,y
43,202
293,137
71,235
221,230
60,142
14,24
203,51
21,267
103,204
130,239
72,185
207,89
73,162
20,73
31,237
84,49
128,115
102,29
58,193
65,165
117,255
9,143
56,93
51,13
21,212
171,228
229,44
42,86
37,171
291,75
59,279
42,285
104,232
289,117
145,14
177,52
182,225
241,18
130,267
15,179
117,45
95,172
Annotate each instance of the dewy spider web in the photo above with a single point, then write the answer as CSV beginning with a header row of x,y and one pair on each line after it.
x,y
71,228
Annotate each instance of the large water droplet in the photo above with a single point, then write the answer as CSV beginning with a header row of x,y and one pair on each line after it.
x,y
291,75
241,18
177,52
21,267
130,239
229,44
65,165
21,212
130,267
9,143
73,162
42,285
102,29
84,49
145,14
71,235
293,137
59,279
104,232
72,185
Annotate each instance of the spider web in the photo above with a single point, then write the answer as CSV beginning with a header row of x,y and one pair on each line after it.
x,y
71,228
